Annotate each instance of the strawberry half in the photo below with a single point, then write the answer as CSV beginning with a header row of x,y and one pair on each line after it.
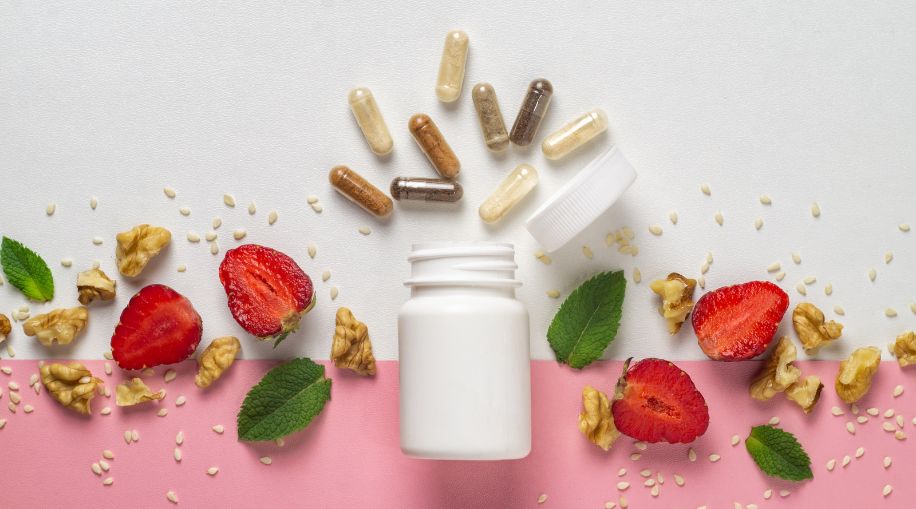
x,y
656,401
268,293
738,322
158,326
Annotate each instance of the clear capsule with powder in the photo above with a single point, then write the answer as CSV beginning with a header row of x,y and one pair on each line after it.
x,y
513,189
531,113
452,65
360,191
370,120
433,144
491,118
574,134
425,189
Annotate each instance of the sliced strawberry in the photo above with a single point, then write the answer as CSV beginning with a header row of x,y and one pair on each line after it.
x,y
268,293
158,326
738,322
656,401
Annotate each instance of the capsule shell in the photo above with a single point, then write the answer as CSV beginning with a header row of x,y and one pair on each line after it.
x,y
574,134
360,191
415,188
490,117
452,65
510,191
370,120
433,144
531,113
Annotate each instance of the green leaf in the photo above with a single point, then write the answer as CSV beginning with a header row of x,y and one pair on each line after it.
x,y
588,319
26,271
285,400
778,453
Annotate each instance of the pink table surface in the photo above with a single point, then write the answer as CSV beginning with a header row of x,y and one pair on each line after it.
x,y
349,457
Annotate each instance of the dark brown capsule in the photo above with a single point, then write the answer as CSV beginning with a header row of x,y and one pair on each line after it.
x,y
433,144
415,188
360,191
532,111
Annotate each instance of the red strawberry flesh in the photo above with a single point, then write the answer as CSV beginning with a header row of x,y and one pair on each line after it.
x,y
657,402
158,326
268,292
738,322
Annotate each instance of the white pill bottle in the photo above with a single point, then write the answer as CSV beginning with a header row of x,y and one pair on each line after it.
x,y
465,380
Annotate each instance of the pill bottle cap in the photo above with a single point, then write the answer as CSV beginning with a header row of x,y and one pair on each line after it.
x,y
582,200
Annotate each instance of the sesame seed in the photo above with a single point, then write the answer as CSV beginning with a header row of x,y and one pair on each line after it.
x,y
107,354
622,501
701,281
239,234
96,469
704,268
773,267
828,290
758,223
105,465
212,471
913,307
836,411
229,200
127,436
218,428
214,248
49,210
635,456
12,407
810,280
654,491
272,217
679,480
28,409
108,481
169,192
193,237
887,490
765,199
780,276
266,460
334,292
312,199
134,435
587,252
839,310
872,274
888,426
672,216
899,435
542,257
851,428
642,446
162,412
655,230
210,236
784,493
691,454
645,472
97,241
623,485
831,464
185,211
890,411
317,208
768,494
774,421
861,419
890,312
637,275
815,210
171,497
610,505
899,421
660,478
217,222
66,262
887,462
180,400
252,208
107,454
704,188
649,482
720,219
873,411
553,294
542,498
365,230
800,288
312,251
888,257
177,454
735,440
622,472
860,452
106,410
714,457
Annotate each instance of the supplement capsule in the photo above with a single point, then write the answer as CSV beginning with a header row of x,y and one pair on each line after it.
x,y
491,119
406,188
360,191
574,134
451,67
510,191
433,144
370,120
532,111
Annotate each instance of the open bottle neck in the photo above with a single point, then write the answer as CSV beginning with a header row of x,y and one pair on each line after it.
x,y
487,267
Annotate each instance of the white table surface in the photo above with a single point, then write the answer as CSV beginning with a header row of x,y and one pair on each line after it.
x,y
802,102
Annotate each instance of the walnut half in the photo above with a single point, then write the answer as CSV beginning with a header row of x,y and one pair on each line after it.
x,y
596,421
61,325
778,373
811,328
134,392
676,292
94,284
137,246
856,372
904,348
5,327
71,385
351,347
806,392
215,359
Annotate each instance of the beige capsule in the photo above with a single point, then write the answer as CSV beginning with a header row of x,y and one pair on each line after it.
x,y
491,118
433,144
452,65
360,191
574,134
370,120
510,191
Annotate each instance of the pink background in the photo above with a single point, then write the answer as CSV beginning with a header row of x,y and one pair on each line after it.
x,y
349,456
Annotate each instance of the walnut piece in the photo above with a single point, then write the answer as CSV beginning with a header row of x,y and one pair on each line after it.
x,y
94,284
596,421
811,328
5,327
904,349
136,247
71,385
856,372
135,392
806,392
778,373
215,359
677,299
351,347
61,325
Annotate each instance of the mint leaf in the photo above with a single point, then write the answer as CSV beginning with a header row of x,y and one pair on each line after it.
x,y
285,400
588,319
778,453
26,271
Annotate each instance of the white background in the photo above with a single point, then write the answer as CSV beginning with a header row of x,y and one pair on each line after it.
x,y
803,102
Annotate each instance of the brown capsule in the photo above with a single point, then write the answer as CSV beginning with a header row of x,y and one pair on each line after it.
x,y
532,111
433,144
360,191
414,188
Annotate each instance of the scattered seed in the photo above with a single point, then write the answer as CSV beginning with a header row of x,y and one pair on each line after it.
x,y
655,230
217,222
861,419
96,469
97,241
913,307
654,491
828,290
758,223
810,280
704,188
714,457
365,230
311,199
873,411
272,217
837,411
171,497
887,490
239,234
899,435
872,274
735,440
185,211
890,312
317,208
774,421
704,268
815,210
623,485
768,494
701,281
904,227
180,400
266,460
162,412
645,472
679,480
622,472
334,292
642,446
691,454
610,505
773,267
12,407
212,471
107,454
107,354
831,464
887,462
105,465
108,481
888,257
177,454
800,287
127,436
587,252
28,409
765,199
720,219
193,237
210,236
888,426
854,408
106,410
252,208
637,275
635,456
622,501
780,276
49,210
839,310
542,257
219,428
784,493
542,498
898,391
672,216
890,411
229,200
312,250
553,294
649,482
214,248
851,428
169,192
